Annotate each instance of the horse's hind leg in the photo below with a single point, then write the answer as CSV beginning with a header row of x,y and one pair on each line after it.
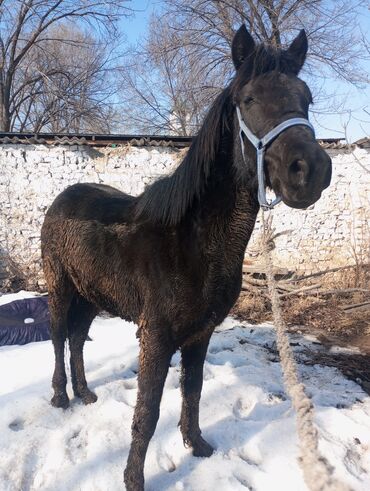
x,y
80,317
60,291
193,357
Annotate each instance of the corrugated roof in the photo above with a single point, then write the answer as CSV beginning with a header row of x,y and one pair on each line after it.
x,y
363,142
98,140
95,139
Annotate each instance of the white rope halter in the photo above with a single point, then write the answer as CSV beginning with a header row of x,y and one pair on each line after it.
x,y
260,145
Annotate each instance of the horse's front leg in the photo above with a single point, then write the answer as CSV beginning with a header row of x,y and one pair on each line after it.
x,y
58,306
155,357
193,357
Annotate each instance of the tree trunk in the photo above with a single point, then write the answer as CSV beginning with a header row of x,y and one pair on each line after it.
x,y
4,105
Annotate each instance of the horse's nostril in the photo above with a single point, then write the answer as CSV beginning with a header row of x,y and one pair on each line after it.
x,y
298,166
298,171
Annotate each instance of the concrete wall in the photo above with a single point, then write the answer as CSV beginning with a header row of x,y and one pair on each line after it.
x,y
330,233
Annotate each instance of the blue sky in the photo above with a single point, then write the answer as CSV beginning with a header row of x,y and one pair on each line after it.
x,y
327,126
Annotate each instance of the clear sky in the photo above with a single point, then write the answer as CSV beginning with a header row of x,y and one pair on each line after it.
x,y
327,126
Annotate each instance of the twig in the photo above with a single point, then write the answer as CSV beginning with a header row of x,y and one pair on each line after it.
x,y
356,306
339,291
254,281
320,273
300,290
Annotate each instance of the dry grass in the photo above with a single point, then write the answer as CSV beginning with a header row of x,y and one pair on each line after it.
x,y
356,277
21,275
318,313
253,307
326,315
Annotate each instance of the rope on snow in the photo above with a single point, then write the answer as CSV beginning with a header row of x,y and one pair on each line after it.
x,y
317,471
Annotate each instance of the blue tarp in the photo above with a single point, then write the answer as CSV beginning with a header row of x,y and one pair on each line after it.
x,y
24,321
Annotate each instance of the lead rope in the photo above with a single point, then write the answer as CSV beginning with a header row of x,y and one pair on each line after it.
x,y
317,472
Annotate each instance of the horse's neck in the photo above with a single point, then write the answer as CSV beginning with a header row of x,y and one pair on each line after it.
x,y
226,214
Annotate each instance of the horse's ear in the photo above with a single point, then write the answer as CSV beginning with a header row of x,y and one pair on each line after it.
x,y
242,46
297,51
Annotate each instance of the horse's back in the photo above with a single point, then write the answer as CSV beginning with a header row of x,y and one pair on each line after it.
x,y
90,201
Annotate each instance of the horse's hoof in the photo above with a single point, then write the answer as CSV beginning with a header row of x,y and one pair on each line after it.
x,y
88,397
201,448
60,400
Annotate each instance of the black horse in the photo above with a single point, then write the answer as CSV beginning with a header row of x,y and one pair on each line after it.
x,y
171,258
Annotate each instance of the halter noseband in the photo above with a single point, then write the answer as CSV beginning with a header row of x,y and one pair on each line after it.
x,y
260,145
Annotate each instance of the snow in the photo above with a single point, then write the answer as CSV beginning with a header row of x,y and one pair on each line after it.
x,y
245,415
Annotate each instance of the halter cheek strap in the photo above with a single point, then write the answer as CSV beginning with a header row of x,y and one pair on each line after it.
x,y
260,146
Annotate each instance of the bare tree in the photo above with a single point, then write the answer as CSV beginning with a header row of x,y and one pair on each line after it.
x,y
68,85
164,94
28,31
194,37
336,39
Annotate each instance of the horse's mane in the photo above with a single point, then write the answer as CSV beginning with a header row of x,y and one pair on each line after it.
x,y
168,198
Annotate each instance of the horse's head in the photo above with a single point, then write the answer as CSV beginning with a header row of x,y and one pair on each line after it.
x,y
267,92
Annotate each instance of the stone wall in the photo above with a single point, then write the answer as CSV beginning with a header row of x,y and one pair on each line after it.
x,y
332,232
33,175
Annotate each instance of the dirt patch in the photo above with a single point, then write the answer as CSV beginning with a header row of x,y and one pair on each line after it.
x,y
355,367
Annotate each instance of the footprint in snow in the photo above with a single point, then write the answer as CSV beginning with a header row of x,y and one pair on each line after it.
x,y
243,408
352,460
75,445
16,425
166,462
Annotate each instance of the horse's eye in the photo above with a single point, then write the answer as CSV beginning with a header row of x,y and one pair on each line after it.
x,y
248,100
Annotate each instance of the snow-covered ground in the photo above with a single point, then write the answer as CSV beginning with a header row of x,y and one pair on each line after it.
x,y
245,415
